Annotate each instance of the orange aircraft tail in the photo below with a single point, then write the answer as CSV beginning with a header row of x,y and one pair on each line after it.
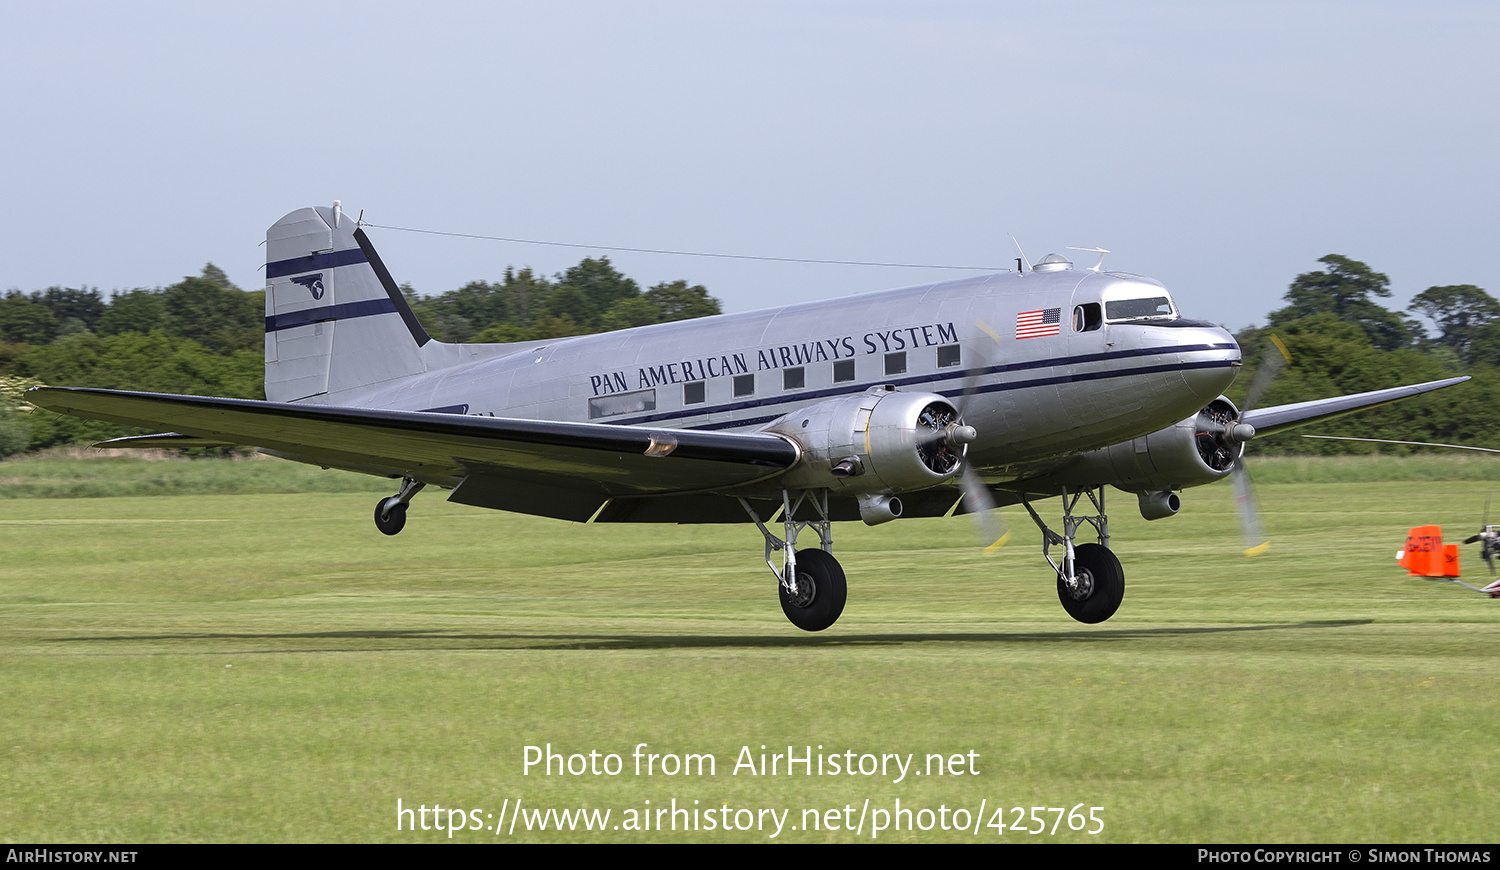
x,y
1425,554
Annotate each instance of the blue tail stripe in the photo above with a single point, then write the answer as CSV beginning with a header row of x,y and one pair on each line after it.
x,y
344,311
313,262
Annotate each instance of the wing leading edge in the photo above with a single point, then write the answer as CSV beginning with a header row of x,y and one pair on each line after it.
x,y
566,470
1269,421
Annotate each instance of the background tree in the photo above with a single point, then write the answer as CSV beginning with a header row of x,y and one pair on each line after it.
x,y
138,310
1459,311
1345,289
23,320
596,281
679,301
75,310
569,302
215,313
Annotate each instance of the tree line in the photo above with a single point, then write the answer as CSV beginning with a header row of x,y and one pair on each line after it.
x,y
203,335
1342,340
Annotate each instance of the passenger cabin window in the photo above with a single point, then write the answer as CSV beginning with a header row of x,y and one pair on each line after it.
x,y
694,393
1149,308
1086,317
949,356
744,385
622,403
843,370
793,379
895,363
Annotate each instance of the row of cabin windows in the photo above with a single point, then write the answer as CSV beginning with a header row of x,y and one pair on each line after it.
x,y
795,378
1086,318
696,392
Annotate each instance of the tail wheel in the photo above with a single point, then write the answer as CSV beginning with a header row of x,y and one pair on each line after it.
x,y
390,518
821,591
1101,585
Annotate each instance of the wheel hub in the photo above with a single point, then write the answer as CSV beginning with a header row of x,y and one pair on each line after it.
x,y
1082,586
803,591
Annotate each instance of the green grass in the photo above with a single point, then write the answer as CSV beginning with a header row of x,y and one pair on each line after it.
x,y
83,473
267,667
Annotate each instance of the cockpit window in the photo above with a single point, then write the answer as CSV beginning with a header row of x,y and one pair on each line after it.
x,y
1150,308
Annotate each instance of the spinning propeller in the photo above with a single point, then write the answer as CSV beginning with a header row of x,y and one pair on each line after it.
x,y
948,435
1488,538
1221,436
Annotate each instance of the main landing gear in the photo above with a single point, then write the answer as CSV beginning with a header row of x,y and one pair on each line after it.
x,y
1090,581
390,513
810,581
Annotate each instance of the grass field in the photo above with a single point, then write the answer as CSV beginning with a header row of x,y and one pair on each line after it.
x,y
265,666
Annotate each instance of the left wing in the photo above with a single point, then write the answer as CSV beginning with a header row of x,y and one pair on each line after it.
x,y
566,470
1269,421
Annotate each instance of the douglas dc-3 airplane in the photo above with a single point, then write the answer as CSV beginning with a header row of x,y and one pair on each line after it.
x,y
917,402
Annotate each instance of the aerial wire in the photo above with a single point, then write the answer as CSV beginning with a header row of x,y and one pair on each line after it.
x,y
708,254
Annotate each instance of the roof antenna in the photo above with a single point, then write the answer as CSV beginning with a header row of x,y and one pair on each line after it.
x,y
1021,252
1100,251
338,212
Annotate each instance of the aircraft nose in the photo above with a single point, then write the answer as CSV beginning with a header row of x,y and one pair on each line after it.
x,y
1210,357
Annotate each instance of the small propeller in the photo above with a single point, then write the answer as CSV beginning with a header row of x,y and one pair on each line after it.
x,y
1489,538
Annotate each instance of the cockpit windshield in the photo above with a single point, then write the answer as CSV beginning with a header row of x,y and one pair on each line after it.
x,y
1143,308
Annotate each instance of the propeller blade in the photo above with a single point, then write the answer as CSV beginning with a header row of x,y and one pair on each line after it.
x,y
1244,499
976,371
977,500
1272,360
979,503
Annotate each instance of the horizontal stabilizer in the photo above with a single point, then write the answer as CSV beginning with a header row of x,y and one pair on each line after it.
x,y
1269,421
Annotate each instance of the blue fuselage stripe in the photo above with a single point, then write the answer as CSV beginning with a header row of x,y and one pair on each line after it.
x,y
323,313
314,262
802,398
952,394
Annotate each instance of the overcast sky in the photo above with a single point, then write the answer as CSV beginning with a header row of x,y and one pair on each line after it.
x,y
1220,150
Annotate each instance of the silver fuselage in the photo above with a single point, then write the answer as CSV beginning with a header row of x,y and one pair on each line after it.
x,y
1033,400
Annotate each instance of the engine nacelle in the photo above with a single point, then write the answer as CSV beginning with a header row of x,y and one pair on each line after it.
x,y
880,442
1196,451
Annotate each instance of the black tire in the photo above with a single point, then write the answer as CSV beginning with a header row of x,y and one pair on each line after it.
x,y
1106,584
820,605
390,520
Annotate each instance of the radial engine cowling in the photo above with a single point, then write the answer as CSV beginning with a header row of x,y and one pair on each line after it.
x,y
1195,451
880,442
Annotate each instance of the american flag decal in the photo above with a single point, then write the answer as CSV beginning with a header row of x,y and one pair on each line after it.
x,y
1034,324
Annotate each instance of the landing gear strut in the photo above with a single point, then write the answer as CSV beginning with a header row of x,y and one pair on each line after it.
x,y
1090,581
390,513
810,581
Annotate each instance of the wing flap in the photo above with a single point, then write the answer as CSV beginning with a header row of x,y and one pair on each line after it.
x,y
591,457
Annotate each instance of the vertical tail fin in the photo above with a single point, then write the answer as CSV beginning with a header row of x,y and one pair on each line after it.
x,y
335,319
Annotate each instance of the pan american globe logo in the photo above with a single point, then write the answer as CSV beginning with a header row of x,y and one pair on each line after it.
x,y
313,283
